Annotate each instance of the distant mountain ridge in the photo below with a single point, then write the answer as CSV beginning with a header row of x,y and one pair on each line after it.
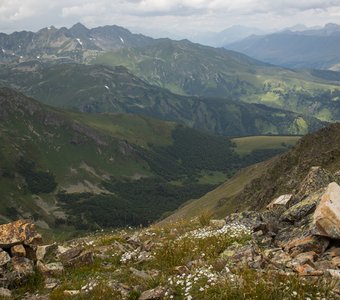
x,y
311,48
97,89
77,43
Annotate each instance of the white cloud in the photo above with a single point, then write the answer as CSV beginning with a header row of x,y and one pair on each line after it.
x,y
185,15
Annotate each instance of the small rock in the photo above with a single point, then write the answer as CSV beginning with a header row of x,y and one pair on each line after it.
x,y
22,266
154,294
47,253
83,259
69,254
4,257
336,261
50,269
327,214
51,283
280,201
334,252
217,223
18,250
71,292
334,273
307,270
5,293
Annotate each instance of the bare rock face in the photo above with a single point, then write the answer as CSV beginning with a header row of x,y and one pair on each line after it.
x,y
327,214
316,178
18,232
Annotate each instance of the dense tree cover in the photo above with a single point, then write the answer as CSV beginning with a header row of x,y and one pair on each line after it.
x,y
37,181
131,202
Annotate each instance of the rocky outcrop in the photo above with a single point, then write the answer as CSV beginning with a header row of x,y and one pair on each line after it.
x,y
21,255
307,225
18,233
327,215
17,241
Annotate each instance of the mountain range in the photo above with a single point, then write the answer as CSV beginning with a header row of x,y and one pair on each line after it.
x,y
312,48
102,141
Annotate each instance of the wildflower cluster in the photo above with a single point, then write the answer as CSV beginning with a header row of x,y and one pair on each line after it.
x,y
232,230
195,284
135,255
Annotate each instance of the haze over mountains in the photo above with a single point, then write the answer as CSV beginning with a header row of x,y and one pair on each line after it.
x,y
312,48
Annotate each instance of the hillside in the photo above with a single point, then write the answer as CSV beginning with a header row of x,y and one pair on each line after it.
x,y
254,187
95,88
69,170
313,49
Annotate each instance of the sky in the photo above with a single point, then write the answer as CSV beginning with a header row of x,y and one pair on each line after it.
x,y
167,17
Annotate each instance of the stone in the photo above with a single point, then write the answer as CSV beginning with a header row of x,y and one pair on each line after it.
x,y
217,223
18,250
50,269
5,293
280,201
306,244
22,266
18,232
51,283
327,214
301,259
71,292
154,294
336,261
69,254
307,270
83,259
334,273
334,251
303,208
47,253
4,258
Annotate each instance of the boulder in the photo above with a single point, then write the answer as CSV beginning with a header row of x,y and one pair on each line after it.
x,y
22,266
4,258
303,208
18,232
327,214
280,201
47,253
307,244
18,250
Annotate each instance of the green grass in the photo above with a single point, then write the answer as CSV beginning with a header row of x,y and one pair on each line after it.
x,y
245,145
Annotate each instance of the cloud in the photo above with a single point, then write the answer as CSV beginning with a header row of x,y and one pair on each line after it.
x,y
168,14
